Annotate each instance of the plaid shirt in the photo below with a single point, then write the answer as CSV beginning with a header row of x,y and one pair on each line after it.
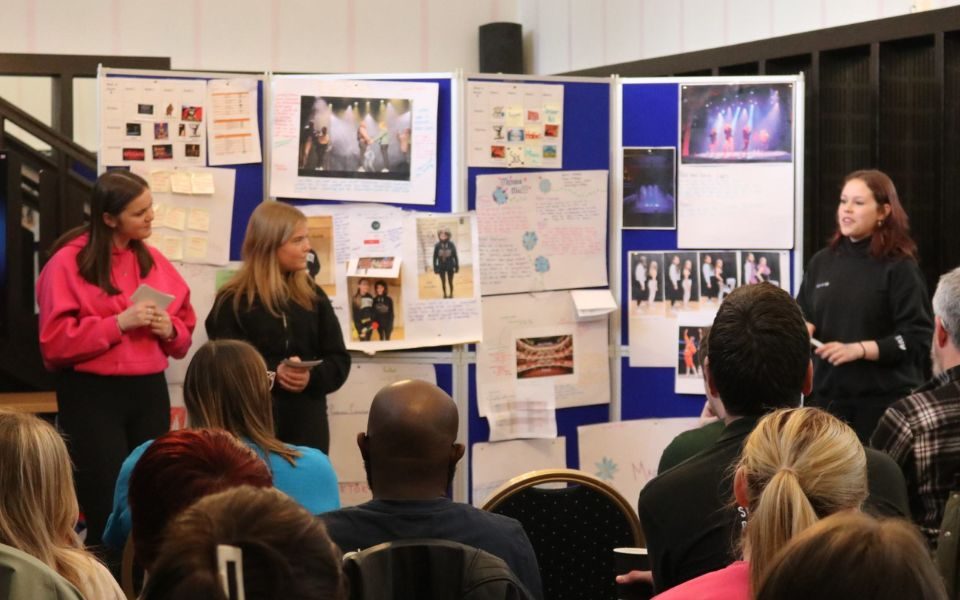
x,y
922,433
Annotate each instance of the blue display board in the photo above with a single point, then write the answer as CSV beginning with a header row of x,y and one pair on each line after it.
x,y
586,145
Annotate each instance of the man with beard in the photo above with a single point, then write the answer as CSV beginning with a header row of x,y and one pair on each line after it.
x,y
410,455
921,432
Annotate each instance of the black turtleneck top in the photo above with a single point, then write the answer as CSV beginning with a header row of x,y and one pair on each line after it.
x,y
851,296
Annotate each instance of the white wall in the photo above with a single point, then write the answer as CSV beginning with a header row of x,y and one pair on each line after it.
x,y
567,35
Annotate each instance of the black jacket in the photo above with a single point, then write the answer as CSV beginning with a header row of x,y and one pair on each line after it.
x,y
309,334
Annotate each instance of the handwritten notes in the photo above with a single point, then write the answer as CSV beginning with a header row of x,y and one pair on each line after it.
x,y
493,464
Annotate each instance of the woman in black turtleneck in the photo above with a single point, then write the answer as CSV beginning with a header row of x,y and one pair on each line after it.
x,y
864,297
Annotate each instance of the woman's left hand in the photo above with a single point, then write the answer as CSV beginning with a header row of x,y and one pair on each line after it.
x,y
161,325
838,353
293,379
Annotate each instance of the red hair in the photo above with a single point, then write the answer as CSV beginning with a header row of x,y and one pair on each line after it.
x,y
890,239
179,468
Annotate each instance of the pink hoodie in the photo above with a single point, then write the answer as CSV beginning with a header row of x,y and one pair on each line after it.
x,y
78,320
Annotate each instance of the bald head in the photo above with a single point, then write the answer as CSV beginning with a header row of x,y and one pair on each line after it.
x,y
410,439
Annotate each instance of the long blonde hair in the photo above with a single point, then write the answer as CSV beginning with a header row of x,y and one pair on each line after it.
x,y
271,225
226,387
38,505
799,465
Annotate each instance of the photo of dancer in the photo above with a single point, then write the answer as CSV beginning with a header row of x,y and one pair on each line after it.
x,y
646,283
649,188
689,354
446,258
547,356
736,123
357,138
685,295
719,274
761,267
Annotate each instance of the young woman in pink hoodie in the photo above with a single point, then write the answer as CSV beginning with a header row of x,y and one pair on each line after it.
x,y
108,351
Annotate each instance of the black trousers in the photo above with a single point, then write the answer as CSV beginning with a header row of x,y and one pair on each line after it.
x,y
103,418
302,421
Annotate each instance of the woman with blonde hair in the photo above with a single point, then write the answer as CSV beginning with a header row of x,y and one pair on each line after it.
x,y
797,466
38,507
227,386
272,303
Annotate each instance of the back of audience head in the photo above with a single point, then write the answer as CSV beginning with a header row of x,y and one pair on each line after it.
x,y
409,449
759,352
227,387
797,466
177,469
286,552
38,506
851,555
946,310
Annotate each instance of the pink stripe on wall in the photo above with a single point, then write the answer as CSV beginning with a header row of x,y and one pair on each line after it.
x,y
31,27
569,35
494,11
351,37
424,35
197,33
681,25
116,34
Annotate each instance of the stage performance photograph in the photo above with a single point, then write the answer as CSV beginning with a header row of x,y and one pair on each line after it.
x,y
544,356
736,123
649,188
355,138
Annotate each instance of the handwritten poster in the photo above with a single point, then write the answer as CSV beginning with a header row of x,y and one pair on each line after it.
x,y
542,231
434,301
514,125
493,464
537,336
736,173
360,140
348,410
625,454
156,123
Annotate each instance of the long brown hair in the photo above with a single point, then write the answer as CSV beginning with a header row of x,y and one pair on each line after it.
x,y
113,191
800,465
260,277
38,507
891,238
226,387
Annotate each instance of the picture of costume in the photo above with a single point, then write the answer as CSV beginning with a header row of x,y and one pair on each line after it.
x,y
689,350
363,313
750,270
639,279
652,282
383,141
763,270
687,285
708,282
383,310
674,292
722,288
366,149
445,261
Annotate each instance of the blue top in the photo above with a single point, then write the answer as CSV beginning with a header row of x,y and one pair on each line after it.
x,y
312,483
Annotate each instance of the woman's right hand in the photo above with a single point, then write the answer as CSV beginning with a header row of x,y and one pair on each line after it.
x,y
137,315
810,327
293,379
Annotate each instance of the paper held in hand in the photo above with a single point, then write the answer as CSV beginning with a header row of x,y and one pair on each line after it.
x,y
152,294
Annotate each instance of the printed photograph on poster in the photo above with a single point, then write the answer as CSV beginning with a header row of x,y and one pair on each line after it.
x,y
375,309
688,354
320,263
544,356
681,283
649,188
359,138
761,267
736,123
133,129
719,274
445,249
646,283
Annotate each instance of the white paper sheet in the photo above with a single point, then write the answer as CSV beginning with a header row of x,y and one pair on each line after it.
x,y
528,336
542,231
493,464
593,304
528,410
348,408
626,454
514,125
232,123
423,317
368,141
157,123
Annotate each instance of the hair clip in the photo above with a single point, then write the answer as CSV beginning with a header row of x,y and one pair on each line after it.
x,y
230,570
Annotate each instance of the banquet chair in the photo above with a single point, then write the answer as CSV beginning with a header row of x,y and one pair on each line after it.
x,y
573,528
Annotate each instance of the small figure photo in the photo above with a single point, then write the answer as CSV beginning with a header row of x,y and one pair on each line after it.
x,y
375,309
446,249
161,131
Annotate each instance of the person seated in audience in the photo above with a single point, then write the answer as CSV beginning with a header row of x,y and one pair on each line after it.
x,y
797,466
850,555
281,551
922,431
227,386
410,454
178,469
38,505
758,361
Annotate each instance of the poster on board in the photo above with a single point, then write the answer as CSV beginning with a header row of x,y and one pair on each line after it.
x,y
359,140
736,168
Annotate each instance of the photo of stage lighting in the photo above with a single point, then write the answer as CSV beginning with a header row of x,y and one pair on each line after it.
x,y
736,123
544,356
649,190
